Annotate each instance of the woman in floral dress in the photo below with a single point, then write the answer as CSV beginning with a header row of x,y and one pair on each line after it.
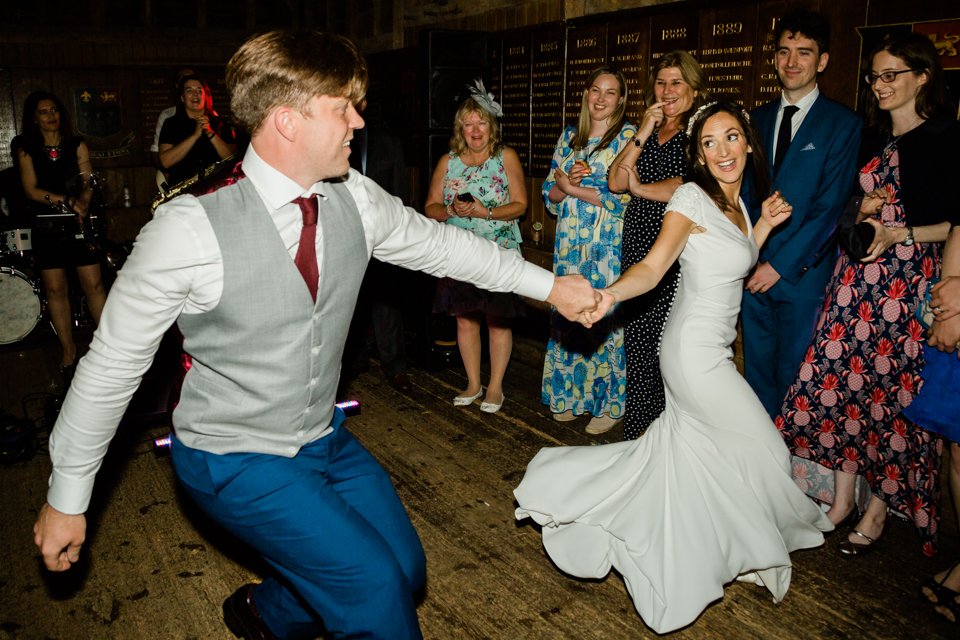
x,y
863,366
584,371
479,186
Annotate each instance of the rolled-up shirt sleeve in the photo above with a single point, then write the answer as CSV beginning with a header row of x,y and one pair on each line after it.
x,y
164,276
401,236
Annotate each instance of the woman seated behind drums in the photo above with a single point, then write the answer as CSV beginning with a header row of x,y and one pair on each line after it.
x,y
55,171
196,137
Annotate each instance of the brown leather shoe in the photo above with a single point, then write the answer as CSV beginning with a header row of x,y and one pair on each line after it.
x,y
242,618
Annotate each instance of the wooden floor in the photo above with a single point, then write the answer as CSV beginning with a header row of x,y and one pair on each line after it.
x,y
153,568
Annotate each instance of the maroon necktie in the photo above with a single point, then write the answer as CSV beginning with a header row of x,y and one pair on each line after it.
x,y
306,259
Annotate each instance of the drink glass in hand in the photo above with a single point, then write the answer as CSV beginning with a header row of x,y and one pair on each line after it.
x,y
580,159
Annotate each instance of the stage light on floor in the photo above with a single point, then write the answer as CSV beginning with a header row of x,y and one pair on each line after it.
x,y
349,407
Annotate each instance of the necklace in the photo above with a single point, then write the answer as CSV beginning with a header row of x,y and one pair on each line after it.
x,y
892,142
913,125
53,151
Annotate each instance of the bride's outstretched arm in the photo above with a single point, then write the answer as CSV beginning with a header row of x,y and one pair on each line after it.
x,y
645,275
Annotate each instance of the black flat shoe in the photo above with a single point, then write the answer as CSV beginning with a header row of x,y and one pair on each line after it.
x,y
242,618
851,549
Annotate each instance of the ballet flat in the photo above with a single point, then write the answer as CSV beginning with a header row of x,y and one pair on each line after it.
x,y
463,401
601,424
490,407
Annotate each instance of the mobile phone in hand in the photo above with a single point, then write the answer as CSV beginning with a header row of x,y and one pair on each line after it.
x,y
465,197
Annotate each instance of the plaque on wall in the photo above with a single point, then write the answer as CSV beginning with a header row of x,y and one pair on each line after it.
x,y
586,50
156,94
627,50
727,39
514,95
104,110
546,119
673,31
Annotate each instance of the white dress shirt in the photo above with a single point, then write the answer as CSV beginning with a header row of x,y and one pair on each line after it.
x,y
176,267
803,104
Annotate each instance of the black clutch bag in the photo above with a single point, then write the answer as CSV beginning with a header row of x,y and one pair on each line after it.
x,y
856,239
852,236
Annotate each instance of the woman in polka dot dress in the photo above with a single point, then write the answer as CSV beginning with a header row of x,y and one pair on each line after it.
x,y
651,169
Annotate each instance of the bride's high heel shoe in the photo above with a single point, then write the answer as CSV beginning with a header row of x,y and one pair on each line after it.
x,y
463,401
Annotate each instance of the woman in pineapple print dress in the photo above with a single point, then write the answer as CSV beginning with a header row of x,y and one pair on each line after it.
x,y
584,370
864,364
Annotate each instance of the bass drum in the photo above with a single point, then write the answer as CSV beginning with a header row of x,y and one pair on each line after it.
x,y
20,306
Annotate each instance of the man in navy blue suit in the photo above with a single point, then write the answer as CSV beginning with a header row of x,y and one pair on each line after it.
x,y
811,143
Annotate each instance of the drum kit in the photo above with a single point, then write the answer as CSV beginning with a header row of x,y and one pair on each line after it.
x,y
22,302
21,305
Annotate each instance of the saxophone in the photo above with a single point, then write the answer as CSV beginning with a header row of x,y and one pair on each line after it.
x,y
165,195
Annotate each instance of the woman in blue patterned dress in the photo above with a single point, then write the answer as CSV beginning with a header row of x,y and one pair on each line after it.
x,y
479,186
651,169
584,371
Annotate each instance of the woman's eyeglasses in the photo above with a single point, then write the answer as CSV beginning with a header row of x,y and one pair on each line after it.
x,y
886,76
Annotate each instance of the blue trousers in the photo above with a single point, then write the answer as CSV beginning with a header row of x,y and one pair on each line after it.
x,y
776,333
329,522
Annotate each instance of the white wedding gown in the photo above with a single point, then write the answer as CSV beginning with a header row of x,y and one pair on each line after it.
x,y
706,495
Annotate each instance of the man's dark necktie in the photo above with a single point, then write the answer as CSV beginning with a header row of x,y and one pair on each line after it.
x,y
783,137
306,259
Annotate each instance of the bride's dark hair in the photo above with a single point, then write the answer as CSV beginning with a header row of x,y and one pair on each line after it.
x,y
755,173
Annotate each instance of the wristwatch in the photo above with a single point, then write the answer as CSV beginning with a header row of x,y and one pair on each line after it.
x,y
637,142
489,213
909,239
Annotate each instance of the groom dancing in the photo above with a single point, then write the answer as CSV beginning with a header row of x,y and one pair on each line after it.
x,y
261,274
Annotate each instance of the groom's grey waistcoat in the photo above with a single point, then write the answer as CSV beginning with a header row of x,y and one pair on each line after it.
x,y
266,360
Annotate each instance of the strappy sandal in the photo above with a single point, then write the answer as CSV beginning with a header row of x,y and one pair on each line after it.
x,y
851,549
950,605
944,595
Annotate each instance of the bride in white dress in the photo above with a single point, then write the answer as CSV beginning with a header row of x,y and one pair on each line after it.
x,y
706,495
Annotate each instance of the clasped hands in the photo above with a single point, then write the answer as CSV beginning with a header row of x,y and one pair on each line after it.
x,y
577,301
462,209
203,126
884,237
